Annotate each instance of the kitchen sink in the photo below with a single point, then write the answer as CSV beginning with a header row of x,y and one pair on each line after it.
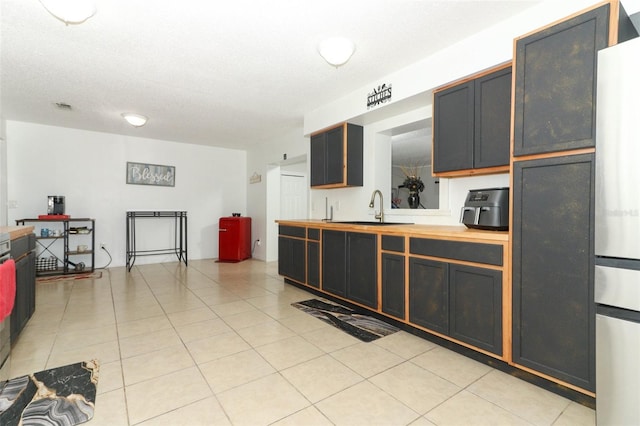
x,y
369,223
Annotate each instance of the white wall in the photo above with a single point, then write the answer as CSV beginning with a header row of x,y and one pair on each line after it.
x,y
263,198
88,168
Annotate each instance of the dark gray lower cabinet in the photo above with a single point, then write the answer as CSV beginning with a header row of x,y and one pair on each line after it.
x,y
553,272
429,294
25,299
334,262
292,258
476,306
460,301
313,264
393,285
362,273
349,267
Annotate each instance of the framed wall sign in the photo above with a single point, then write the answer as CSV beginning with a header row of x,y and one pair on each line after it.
x,y
150,174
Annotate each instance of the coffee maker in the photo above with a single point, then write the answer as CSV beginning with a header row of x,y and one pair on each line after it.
x,y
55,205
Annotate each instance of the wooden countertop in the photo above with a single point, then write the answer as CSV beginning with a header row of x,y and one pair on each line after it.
x,y
452,232
16,232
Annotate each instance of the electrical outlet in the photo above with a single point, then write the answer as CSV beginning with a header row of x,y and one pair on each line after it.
x,y
259,243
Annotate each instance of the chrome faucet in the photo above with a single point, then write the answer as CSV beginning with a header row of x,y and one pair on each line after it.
x,y
379,216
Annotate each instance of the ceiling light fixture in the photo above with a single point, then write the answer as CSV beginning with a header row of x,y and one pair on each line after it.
x,y
336,50
136,120
70,11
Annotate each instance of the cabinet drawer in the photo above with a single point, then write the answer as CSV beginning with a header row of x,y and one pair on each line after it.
x,y
313,234
293,231
23,245
490,254
393,243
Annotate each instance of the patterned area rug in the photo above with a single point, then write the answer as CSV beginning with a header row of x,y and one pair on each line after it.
x,y
358,325
59,396
69,277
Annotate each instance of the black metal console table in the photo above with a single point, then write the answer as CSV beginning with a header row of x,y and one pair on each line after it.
x,y
179,241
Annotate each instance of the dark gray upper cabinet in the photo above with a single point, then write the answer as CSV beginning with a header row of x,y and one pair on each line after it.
x,y
453,128
555,88
336,157
553,252
492,119
472,123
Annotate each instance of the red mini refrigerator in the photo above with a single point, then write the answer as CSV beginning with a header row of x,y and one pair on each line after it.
x,y
235,239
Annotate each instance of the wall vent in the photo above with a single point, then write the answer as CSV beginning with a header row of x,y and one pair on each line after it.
x,y
63,106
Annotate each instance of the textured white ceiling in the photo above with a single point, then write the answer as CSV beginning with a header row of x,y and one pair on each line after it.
x,y
228,74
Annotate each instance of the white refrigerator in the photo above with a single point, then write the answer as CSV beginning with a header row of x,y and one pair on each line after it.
x,y
617,235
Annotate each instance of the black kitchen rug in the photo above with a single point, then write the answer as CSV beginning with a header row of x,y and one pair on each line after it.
x,y
58,396
358,325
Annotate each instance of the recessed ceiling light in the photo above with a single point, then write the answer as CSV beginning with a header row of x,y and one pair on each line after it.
x,y
336,50
136,120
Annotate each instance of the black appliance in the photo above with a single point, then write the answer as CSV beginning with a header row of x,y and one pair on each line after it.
x,y
486,209
55,205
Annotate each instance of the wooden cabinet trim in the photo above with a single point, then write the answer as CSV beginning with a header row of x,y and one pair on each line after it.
x,y
614,4
458,262
345,156
326,129
555,154
553,379
473,172
474,76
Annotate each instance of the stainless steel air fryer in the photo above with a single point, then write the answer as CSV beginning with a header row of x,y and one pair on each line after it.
x,y
486,209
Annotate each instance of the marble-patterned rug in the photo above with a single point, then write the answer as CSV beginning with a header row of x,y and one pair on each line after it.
x,y
69,277
59,396
364,327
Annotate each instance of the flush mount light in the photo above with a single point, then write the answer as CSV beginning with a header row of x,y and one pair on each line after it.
x,y
136,120
336,50
70,11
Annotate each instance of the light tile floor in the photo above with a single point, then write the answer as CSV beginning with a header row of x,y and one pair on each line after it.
x,y
220,344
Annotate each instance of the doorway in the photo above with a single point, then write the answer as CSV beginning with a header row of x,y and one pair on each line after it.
x,y
287,198
293,195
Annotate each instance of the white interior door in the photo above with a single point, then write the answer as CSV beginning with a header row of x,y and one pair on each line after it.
x,y
293,196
